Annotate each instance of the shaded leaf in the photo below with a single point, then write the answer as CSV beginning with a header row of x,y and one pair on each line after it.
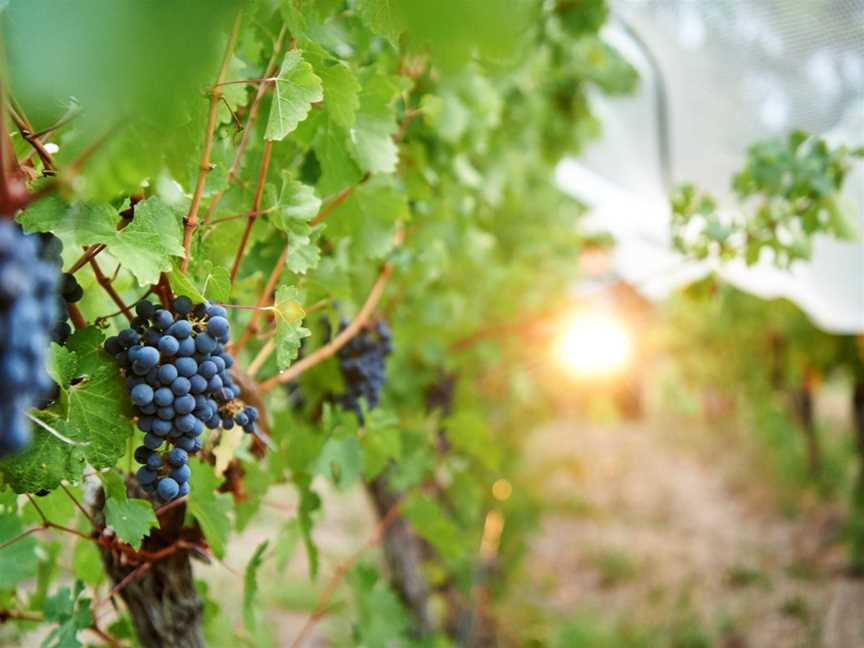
x,y
295,90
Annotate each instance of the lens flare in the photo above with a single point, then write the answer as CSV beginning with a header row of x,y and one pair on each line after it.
x,y
593,345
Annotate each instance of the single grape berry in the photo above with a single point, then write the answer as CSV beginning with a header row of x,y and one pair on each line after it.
x,y
167,489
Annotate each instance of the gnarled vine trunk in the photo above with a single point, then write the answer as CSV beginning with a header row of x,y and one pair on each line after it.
x,y
162,600
403,552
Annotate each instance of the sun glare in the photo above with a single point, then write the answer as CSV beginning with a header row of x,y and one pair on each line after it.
x,y
593,344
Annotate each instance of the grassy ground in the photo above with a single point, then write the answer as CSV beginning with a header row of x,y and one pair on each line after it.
x,y
686,537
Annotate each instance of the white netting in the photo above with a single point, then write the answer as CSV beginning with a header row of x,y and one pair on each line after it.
x,y
731,73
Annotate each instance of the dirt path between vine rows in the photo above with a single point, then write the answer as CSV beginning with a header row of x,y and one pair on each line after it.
x,y
655,533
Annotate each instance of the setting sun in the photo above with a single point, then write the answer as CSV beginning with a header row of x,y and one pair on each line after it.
x,y
593,344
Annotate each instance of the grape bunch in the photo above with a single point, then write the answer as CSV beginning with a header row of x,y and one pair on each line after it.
x,y
28,313
363,363
176,371
69,291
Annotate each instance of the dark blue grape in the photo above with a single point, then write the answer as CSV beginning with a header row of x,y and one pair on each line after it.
x,y
197,428
167,374
183,305
168,345
145,423
113,345
184,489
154,461
218,327
181,386
161,427
186,367
181,474
141,368
145,309
166,413
181,329
185,423
197,384
187,347
142,454
146,475
186,444
163,397
149,355
184,404
139,323
162,319
208,369
152,441
167,489
177,457
205,344
142,394
128,337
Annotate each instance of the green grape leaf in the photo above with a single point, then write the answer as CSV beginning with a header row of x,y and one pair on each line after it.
x,y
98,414
341,93
289,325
46,462
310,502
234,95
256,481
382,441
183,284
18,561
370,217
469,432
341,460
93,411
71,612
57,506
87,563
205,281
210,507
296,88
431,522
372,134
378,16
286,543
131,519
145,245
338,169
304,254
63,366
250,587
297,203
382,621
86,344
